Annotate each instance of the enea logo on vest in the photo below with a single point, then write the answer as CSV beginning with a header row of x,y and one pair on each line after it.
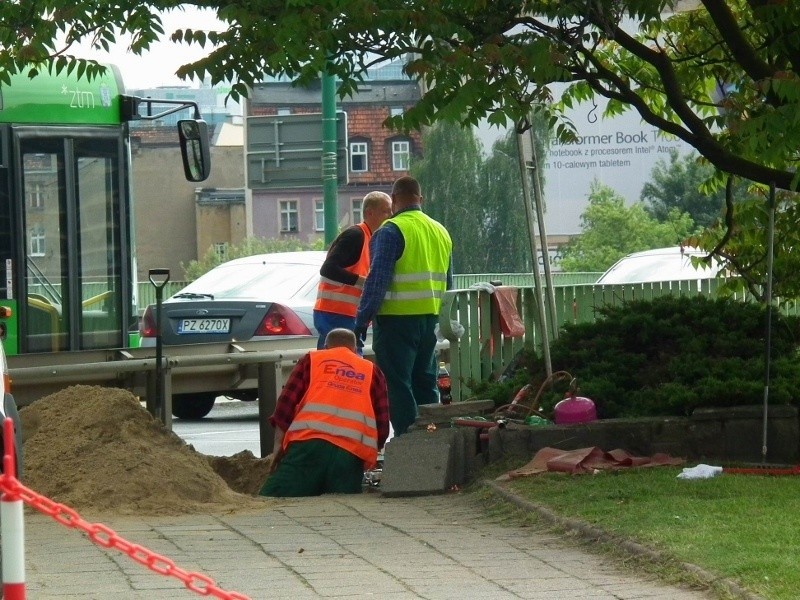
x,y
342,375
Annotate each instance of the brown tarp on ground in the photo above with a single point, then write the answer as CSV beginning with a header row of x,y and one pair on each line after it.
x,y
587,460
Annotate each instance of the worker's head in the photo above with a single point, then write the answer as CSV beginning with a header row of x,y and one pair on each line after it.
x,y
405,192
376,208
341,338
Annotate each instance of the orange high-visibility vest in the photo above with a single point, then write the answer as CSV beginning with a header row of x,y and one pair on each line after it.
x,y
341,298
337,406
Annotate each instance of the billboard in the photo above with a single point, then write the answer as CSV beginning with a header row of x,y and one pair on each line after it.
x,y
619,152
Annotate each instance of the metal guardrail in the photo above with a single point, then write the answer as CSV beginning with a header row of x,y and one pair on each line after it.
x,y
193,367
188,368
262,366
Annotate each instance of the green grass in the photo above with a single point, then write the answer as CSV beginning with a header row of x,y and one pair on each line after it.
x,y
742,527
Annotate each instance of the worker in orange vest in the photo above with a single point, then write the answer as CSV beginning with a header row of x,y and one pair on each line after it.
x,y
331,420
345,268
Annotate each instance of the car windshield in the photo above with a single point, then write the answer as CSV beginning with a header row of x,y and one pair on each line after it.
x,y
259,280
661,267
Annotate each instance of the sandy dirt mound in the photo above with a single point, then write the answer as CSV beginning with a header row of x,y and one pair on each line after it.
x,y
97,449
243,472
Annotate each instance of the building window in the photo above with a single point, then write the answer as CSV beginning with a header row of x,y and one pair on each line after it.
x,y
36,241
355,210
221,250
400,154
288,210
396,111
319,215
358,157
35,196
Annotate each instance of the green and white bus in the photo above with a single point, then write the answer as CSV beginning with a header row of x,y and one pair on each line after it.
x,y
68,276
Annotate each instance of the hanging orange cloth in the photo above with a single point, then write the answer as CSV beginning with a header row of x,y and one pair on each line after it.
x,y
505,300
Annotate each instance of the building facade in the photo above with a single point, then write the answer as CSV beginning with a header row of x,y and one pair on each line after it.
x,y
176,221
375,157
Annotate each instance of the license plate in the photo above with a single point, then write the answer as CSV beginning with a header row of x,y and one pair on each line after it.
x,y
204,325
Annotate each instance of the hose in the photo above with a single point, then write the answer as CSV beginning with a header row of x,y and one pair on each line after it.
x,y
518,409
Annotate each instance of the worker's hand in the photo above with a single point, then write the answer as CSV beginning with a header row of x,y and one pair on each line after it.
x,y
276,459
361,335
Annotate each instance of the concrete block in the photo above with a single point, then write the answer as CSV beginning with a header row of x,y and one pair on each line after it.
x,y
736,433
423,462
710,434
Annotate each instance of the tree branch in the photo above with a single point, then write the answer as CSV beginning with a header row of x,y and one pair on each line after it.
x,y
740,48
703,141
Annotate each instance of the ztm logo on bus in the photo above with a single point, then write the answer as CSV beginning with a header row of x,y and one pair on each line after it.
x,y
341,369
79,98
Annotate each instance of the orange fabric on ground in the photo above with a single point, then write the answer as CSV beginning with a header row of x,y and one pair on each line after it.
x,y
587,460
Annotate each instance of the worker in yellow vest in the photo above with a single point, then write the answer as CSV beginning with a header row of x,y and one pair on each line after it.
x,y
410,269
345,268
331,420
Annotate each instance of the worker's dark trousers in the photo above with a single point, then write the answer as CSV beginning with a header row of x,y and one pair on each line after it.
x,y
313,467
405,350
324,321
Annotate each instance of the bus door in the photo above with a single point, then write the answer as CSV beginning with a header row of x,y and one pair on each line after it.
x,y
71,268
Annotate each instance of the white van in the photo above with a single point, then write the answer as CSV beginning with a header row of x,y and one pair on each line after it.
x,y
662,264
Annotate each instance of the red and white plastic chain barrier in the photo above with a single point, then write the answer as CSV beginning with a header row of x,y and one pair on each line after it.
x,y
12,524
14,494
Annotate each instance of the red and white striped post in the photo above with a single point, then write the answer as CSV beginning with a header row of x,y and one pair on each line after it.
x,y
12,524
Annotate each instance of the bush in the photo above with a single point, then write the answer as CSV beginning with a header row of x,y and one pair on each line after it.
x,y
668,356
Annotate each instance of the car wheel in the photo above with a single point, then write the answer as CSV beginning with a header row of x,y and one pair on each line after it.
x,y
192,406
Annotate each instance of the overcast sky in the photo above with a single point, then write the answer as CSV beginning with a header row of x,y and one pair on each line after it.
x,y
158,66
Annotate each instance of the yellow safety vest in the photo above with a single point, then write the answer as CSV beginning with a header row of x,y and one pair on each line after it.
x,y
420,274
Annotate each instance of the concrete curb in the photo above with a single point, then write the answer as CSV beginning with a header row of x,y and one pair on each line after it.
x,y
591,533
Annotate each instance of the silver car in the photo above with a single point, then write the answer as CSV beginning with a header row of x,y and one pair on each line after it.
x,y
260,297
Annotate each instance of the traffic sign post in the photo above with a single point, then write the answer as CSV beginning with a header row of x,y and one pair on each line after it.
x,y
286,151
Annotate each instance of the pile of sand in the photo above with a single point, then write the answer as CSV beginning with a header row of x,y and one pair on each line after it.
x,y
97,449
243,472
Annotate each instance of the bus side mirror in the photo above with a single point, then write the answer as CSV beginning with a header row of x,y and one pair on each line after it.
x,y
193,134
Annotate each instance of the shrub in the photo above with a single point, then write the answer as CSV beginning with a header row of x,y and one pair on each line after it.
x,y
670,355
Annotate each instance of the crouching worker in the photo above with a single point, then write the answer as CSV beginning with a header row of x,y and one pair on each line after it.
x,y
330,421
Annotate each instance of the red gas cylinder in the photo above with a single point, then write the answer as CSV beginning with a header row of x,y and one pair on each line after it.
x,y
574,409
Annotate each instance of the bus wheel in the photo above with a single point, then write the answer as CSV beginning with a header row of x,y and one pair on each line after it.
x,y
192,406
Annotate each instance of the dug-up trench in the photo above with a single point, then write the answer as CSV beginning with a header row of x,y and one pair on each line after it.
x,y
97,450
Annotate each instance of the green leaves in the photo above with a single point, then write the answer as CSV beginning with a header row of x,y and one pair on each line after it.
x,y
720,77
39,34
672,354
600,244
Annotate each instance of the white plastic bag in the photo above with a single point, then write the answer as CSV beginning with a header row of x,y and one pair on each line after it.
x,y
701,471
458,330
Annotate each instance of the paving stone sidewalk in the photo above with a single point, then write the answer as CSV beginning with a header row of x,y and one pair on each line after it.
x,y
360,546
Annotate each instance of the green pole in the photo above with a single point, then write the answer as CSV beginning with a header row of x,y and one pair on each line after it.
x,y
329,168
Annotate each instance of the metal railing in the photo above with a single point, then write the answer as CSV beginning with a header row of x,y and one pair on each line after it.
x,y
191,368
147,294
186,369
